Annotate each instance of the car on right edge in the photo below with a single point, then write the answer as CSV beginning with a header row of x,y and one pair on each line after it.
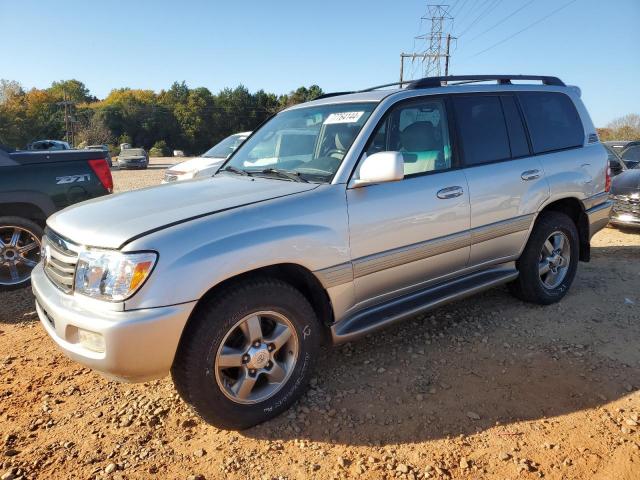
x,y
389,203
625,192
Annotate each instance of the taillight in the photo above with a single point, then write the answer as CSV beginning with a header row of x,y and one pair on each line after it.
x,y
101,168
607,180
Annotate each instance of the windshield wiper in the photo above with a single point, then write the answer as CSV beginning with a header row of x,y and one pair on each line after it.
x,y
236,170
295,176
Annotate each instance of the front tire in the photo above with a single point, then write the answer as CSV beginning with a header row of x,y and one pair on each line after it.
x,y
247,353
549,261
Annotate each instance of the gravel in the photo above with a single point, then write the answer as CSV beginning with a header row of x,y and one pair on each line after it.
x,y
474,389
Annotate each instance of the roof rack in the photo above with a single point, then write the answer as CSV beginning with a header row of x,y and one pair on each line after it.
x,y
434,82
332,94
335,94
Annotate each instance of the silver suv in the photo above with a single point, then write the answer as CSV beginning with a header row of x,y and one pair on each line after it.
x,y
393,202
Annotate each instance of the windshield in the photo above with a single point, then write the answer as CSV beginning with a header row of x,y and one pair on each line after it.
x,y
226,147
308,142
132,152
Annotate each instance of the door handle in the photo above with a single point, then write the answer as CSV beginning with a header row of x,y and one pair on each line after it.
x,y
449,192
530,175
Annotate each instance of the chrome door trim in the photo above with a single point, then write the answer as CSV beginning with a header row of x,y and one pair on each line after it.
x,y
343,273
336,275
501,228
410,253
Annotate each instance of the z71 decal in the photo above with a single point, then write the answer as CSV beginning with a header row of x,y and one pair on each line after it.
x,y
73,179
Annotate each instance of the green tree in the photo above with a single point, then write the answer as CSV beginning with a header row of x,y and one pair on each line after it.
x,y
71,90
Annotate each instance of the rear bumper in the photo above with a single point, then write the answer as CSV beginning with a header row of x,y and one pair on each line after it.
x,y
599,216
136,346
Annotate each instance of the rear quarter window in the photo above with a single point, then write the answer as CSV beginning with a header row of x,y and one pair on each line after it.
x,y
552,119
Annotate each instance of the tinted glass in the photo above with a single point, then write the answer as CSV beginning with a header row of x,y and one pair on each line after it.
x,y
632,153
553,121
420,132
515,128
483,132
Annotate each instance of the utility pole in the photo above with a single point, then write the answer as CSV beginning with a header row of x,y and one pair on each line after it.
x,y
447,56
68,121
437,51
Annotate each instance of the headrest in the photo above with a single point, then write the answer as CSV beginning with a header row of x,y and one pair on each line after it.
x,y
344,138
418,136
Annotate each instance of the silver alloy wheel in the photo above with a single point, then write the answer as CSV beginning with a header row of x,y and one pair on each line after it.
x,y
555,258
256,357
19,253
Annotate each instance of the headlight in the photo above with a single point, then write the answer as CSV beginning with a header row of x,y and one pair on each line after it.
x,y
111,275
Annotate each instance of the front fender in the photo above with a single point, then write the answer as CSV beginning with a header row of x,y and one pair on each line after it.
x,y
309,229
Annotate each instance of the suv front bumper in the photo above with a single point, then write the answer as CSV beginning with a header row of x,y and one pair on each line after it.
x,y
134,346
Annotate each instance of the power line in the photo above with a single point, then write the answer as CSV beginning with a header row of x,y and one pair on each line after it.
x,y
504,19
483,14
462,4
531,25
473,8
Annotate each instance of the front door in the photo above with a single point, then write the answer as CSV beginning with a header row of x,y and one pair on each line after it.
x,y
409,232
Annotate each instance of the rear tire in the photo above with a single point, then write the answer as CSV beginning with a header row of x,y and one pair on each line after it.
x,y
234,381
549,261
19,251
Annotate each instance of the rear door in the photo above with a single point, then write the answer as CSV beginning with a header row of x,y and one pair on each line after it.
x,y
506,183
406,233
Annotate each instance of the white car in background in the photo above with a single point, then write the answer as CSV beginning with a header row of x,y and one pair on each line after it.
x,y
208,163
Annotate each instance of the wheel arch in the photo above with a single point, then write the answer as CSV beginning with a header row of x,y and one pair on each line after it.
x,y
294,274
574,209
25,210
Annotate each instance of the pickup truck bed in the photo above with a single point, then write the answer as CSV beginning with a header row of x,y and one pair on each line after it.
x,y
34,185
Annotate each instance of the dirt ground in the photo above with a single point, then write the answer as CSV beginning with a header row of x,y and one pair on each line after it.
x,y
488,387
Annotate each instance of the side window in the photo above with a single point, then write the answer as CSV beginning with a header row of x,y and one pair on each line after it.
x,y
420,132
554,123
515,128
483,132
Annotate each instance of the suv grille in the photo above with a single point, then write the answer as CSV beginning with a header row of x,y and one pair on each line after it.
x,y
60,257
626,204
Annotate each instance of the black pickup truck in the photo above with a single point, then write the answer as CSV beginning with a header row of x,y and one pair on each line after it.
x,y
33,185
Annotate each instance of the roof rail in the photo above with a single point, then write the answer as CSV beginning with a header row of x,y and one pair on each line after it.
x,y
434,82
332,94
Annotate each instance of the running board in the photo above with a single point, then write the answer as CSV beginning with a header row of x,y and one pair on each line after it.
x,y
379,316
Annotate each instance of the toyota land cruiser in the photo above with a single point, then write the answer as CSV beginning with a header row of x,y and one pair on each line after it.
x,y
406,198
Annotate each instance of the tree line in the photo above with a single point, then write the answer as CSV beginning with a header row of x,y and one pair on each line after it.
x,y
626,127
181,118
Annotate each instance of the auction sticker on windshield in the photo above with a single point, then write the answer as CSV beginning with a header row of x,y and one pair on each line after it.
x,y
343,117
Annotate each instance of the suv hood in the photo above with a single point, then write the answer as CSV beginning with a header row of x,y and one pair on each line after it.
x,y
111,221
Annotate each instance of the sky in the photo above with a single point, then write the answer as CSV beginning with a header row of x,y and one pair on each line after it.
x,y
279,45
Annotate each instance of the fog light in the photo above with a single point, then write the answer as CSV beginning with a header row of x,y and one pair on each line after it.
x,y
91,340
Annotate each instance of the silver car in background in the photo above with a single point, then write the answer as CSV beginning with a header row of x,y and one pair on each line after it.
x,y
133,158
336,218
207,164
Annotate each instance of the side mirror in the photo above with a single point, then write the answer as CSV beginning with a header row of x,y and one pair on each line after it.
x,y
381,167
